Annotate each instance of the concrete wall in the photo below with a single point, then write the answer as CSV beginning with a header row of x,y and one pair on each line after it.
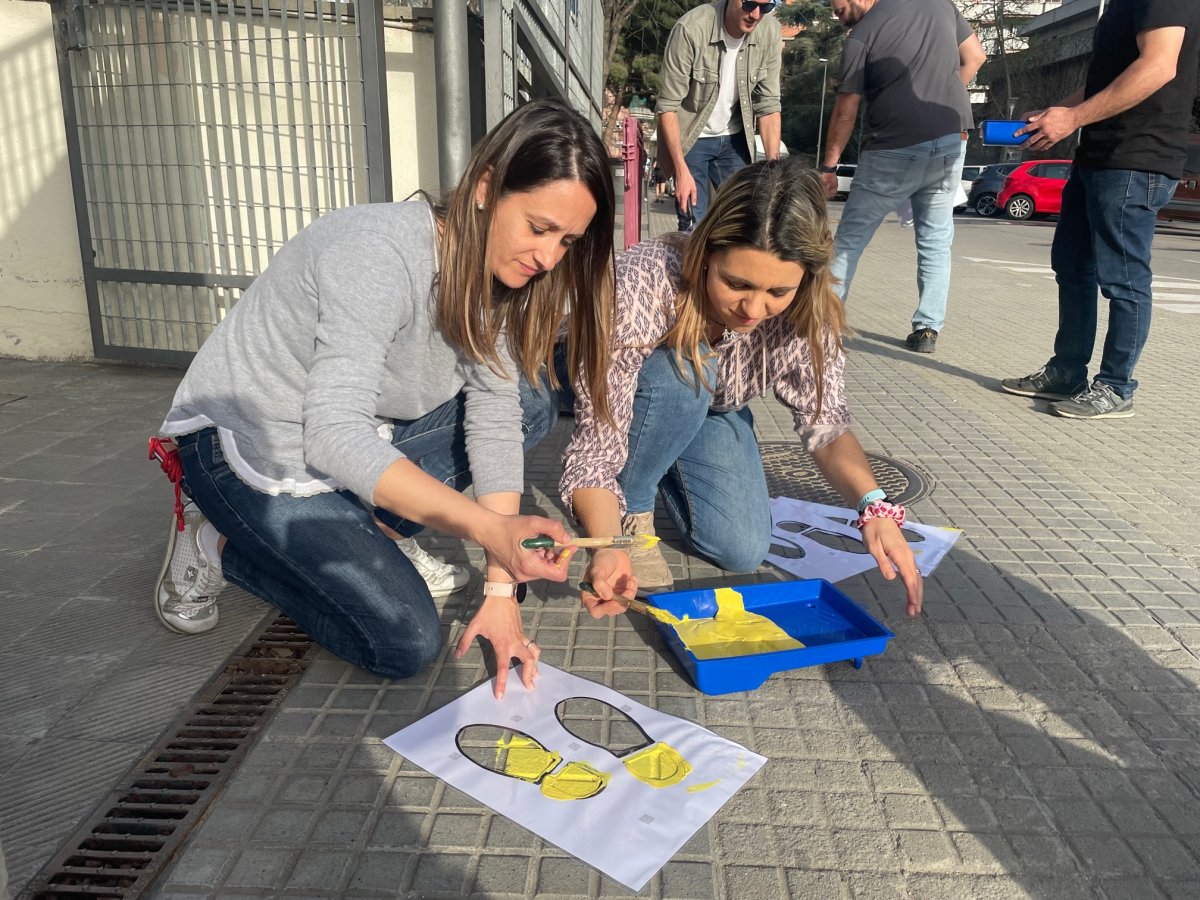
x,y
412,108
43,310
43,307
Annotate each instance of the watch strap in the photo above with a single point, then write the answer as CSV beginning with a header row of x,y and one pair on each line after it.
x,y
511,589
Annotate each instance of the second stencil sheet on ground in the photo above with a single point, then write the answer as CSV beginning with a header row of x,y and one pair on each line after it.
x,y
645,809
812,540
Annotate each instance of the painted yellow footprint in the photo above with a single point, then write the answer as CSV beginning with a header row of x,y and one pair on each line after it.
x,y
506,751
603,725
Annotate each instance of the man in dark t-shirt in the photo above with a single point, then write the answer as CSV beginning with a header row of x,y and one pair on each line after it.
x,y
1134,109
911,61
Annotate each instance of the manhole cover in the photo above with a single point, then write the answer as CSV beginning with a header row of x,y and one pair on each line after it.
x,y
791,472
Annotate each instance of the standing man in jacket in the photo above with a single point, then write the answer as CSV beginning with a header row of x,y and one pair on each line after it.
x,y
1134,109
912,60
720,73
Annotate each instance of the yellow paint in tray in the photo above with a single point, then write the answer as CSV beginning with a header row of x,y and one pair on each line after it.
x,y
731,632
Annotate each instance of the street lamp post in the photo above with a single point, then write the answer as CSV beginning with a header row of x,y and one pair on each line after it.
x,y
821,115
1012,111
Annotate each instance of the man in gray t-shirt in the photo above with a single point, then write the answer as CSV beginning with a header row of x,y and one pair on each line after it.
x,y
912,60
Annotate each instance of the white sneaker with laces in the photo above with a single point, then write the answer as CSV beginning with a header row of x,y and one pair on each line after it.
x,y
442,578
185,597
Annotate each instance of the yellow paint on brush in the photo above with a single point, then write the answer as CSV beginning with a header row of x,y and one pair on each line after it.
x,y
732,631
661,615
523,757
659,766
697,788
576,781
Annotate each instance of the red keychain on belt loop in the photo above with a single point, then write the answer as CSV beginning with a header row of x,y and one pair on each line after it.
x,y
167,454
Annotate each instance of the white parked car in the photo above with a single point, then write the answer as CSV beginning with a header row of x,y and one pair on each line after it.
x,y
969,174
845,177
759,152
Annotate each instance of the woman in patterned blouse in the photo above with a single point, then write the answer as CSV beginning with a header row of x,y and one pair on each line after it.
x,y
706,323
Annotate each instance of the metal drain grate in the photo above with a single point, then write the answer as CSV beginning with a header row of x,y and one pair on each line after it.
x,y
123,846
791,472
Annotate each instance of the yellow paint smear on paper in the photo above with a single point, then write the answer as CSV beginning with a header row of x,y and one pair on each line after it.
x,y
576,781
732,631
526,758
697,788
659,766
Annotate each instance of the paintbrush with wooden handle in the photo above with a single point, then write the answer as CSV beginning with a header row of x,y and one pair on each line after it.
x,y
629,541
660,615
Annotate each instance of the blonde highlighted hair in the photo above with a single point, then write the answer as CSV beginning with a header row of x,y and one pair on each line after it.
x,y
777,206
539,143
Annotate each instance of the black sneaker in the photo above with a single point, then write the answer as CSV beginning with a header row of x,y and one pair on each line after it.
x,y
922,340
1043,383
1096,402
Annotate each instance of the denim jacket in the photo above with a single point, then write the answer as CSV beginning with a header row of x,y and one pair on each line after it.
x,y
692,64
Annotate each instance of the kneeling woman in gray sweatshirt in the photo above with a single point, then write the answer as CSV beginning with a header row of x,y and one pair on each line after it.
x,y
390,355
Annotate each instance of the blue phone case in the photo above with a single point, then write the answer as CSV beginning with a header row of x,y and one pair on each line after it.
x,y
1000,133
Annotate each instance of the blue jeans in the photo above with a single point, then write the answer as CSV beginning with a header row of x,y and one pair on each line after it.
x,y
1103,241
323,562
705,462
711,159
929,174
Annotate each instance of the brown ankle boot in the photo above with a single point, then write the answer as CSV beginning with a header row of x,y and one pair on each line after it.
x,y
649,566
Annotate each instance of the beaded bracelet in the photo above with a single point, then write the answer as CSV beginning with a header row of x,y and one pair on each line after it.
x,y
881,509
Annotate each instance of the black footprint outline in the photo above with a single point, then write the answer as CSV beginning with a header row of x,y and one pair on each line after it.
x,y
791,551
514,754
842,542
652,762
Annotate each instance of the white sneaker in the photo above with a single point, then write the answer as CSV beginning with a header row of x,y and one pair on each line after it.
x,y
442,578
185,597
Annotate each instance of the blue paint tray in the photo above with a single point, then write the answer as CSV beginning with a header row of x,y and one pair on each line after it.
x,y
831,626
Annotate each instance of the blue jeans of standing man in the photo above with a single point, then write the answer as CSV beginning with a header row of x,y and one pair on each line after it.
x,y
1102,242
706,463
929,173
324,562
711,159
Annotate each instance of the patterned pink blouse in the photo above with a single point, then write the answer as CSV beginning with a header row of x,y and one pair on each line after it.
x,y
648,279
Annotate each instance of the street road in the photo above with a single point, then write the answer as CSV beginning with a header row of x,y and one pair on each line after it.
x,y
1019,254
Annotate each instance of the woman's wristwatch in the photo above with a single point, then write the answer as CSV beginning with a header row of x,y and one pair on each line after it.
x,y
827,170
512,589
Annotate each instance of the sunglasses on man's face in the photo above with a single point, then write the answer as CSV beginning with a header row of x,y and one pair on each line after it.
x,y
764,8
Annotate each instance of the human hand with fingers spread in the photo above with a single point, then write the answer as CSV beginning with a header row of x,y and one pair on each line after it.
x,y
499,623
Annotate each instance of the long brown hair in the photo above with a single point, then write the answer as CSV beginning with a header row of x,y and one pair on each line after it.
x,y
777,206
537,144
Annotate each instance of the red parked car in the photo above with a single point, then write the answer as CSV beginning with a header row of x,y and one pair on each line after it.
x,y
1034,187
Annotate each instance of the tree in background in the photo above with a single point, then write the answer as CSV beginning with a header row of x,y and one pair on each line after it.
x,y
635,34
804,76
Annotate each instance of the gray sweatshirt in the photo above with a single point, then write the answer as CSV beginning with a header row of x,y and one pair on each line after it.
x,y
334,339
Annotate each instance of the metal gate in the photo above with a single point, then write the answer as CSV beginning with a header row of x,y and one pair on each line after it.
x,y
202,134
